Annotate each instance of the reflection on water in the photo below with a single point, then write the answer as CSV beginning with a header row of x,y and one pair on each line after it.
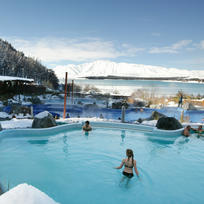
x,y
123,135
125,182
160,141
41,142
86,133
65,146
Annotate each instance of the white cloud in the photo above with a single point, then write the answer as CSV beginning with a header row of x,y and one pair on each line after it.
x,y
199,45
202,44
170,49
78,50
130,51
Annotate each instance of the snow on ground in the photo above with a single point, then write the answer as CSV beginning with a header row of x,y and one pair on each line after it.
x,y
94,119
172,104
9,78
42,115
16,123
22,116
26,103
4,115
150,122
1,104
27,123
25,194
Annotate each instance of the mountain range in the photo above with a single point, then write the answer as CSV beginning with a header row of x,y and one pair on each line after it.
x,y
108,69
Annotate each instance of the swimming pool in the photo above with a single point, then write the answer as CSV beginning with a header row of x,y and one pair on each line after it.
x,y
73,167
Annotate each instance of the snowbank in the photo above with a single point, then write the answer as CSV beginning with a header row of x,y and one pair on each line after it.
x,y
172,104
25,194
16,123
22,116
94,119
149,122
27,123
42,115
1,104
9,78
4,115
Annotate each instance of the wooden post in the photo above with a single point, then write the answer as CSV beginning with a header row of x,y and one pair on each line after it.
x,y
72,91
123,114
182,116
65,96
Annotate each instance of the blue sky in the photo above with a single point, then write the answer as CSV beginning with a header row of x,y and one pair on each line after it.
x,y
168,33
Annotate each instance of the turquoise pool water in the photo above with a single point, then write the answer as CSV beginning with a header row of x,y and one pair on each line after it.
x,y
72,167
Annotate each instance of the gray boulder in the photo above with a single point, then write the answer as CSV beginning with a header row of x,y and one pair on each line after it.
x,y
43,120
168,123
156,115
0,127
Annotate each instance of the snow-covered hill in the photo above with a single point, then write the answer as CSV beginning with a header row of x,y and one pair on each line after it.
x,y
106,68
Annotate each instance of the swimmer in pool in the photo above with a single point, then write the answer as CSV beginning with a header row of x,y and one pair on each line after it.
x,y
199,129
87,126
186,131
129,163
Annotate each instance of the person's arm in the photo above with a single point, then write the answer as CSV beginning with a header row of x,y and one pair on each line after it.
x,y
194,129
135,168
121,165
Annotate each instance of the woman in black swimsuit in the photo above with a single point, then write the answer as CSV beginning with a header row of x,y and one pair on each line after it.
x,y
129,163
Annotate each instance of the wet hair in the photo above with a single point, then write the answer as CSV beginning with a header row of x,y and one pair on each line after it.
x,y
130,154
188,127
87,122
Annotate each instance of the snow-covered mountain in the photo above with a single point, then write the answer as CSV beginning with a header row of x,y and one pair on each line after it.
x,y
106,68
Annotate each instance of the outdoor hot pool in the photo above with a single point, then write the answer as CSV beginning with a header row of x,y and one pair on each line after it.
x,y
73,167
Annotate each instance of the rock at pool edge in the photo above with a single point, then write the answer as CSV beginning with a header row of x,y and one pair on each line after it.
x,y
168,123
43,120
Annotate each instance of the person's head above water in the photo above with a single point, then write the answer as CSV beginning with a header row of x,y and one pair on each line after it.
x,y
87,126
200,127
188,127
129,153
87,123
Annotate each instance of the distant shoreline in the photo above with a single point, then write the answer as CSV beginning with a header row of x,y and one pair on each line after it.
x,y
180,79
